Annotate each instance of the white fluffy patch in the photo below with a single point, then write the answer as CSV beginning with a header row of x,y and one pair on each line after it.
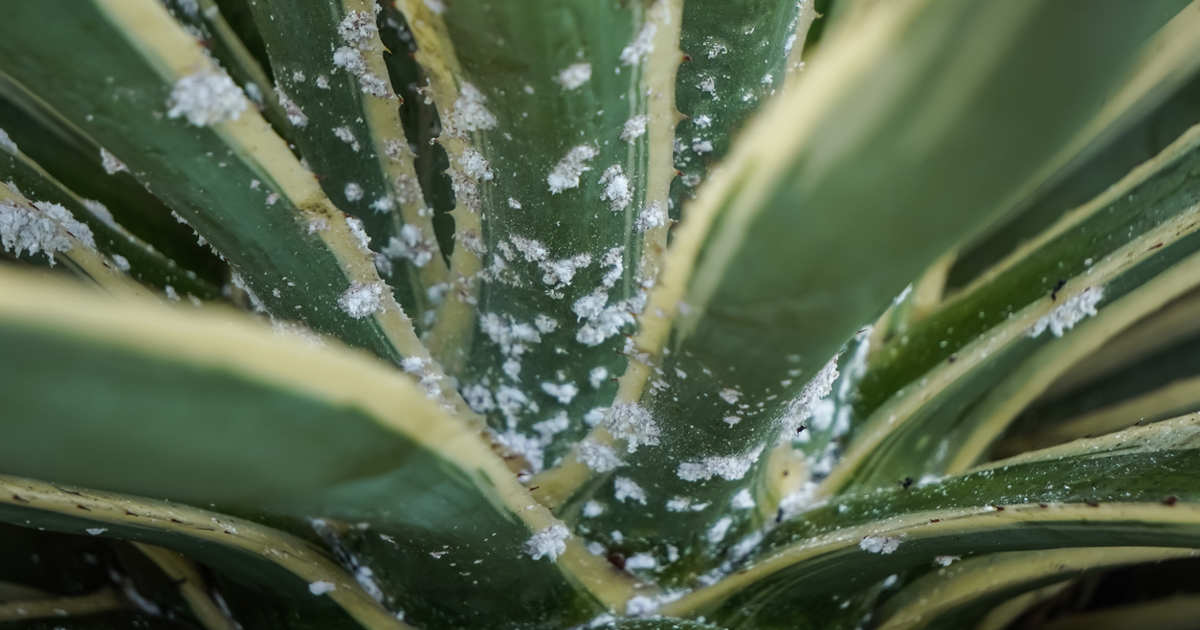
x,y
565,174
548,543
574,75
205,98
362,300
1072,311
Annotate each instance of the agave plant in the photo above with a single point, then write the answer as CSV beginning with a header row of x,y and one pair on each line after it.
x,y
599,313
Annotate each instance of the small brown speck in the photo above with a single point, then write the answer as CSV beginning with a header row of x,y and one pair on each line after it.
x,y
1171,500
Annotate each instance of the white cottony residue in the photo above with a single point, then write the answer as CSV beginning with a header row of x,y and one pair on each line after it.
x,y
346,135
562,392
730,395
634,128
320,587
559,273
743,500
566,173
111,164
632,423
95,531
1072,311
945,561
592,509
548,543
206,97
703,121
728,467
475,166
652,216
802,407
640,561
45,227
410,245
470,111
574,75
353,191
295,115
357,28
616,188
120,261
879,544
625,489
514,204
359,232
717,532
701,146
601,321
596,376
7,144
642,45
362,300
599,457
685,504
708,85
437,6
640,606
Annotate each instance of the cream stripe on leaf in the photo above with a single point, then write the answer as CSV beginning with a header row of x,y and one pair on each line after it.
x,y
200,408
1129,490
766,273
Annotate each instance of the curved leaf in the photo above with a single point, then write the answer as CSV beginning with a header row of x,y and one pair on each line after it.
x,y
1133,488
767,268
201,408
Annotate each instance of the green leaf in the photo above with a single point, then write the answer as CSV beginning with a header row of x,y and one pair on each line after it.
x,y
129,254
1134,488
187,132
957,595
738,56
79,163
344,117
48,233
244,551
197,407
558,226
1127,252
769,264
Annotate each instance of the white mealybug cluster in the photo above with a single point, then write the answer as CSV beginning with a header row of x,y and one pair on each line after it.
x,y
626,489
1072,311
641,46
205,98
566,173
802,407
632,423
470,111
321,587
574,75
634,128
728,467
879,544
550,542
616,189
111,164
45,227
7,144
599,457
362,300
